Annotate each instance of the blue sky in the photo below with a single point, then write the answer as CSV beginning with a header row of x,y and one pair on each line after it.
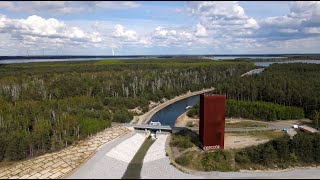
x,y
142,27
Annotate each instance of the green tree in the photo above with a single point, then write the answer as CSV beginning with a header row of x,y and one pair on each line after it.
x,y
268,155
315,116
282,146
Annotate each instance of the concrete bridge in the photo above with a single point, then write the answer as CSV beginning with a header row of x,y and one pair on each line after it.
x,y
175,129
171,129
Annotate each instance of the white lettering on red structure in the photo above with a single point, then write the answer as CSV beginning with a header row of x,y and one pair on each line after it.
x,y
206,148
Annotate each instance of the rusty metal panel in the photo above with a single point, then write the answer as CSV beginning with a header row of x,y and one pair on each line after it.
x,y
212,121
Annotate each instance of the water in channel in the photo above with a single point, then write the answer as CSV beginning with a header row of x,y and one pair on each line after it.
x,y
168,115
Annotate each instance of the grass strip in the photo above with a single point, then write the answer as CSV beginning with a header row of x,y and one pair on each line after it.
x,y
135,166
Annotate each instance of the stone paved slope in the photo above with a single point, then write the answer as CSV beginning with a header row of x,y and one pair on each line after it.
x,y
58,164
111,159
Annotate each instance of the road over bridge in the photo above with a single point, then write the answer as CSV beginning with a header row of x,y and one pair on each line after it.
x,y
151,127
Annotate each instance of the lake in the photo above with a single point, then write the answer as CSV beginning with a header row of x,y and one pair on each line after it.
x,y
15,61
266,64
251,57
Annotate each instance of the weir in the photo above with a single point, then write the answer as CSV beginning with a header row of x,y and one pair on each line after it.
x,y
148,127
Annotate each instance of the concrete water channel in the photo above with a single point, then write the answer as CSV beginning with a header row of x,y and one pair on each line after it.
x,y
124,157
135,166
166,116
131,156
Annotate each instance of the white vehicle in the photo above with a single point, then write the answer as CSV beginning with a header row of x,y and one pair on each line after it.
x,y
295,126
155,123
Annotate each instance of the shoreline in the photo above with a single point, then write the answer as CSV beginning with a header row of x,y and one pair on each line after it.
x,y
183,120
144,118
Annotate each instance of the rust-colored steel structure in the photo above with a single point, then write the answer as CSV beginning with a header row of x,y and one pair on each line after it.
x,y
212,121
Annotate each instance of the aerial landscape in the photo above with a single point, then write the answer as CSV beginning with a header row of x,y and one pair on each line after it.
x,y
159,89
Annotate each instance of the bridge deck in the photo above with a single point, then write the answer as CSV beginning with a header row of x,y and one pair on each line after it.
x,y
147,126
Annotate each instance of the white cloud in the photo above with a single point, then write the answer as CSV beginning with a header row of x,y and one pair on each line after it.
x,y
65,7
281,22
222,26
302,21
117,5
186,35
179,37
160,32
251,24
125,35
217,10
56,7
227,22
312,30
288,30
122,34
304,9
6,5
221,23
214,14
35,30
162,36
201,31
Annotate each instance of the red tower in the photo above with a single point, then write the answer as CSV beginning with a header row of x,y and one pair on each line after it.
x,y
212,121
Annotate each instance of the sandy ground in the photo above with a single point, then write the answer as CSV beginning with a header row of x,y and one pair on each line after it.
x,y
183,119
233,141
137,110
236,142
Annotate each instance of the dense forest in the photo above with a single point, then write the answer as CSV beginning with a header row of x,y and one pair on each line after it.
x,y
262,110
282,152
47,106
255,110
295,84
